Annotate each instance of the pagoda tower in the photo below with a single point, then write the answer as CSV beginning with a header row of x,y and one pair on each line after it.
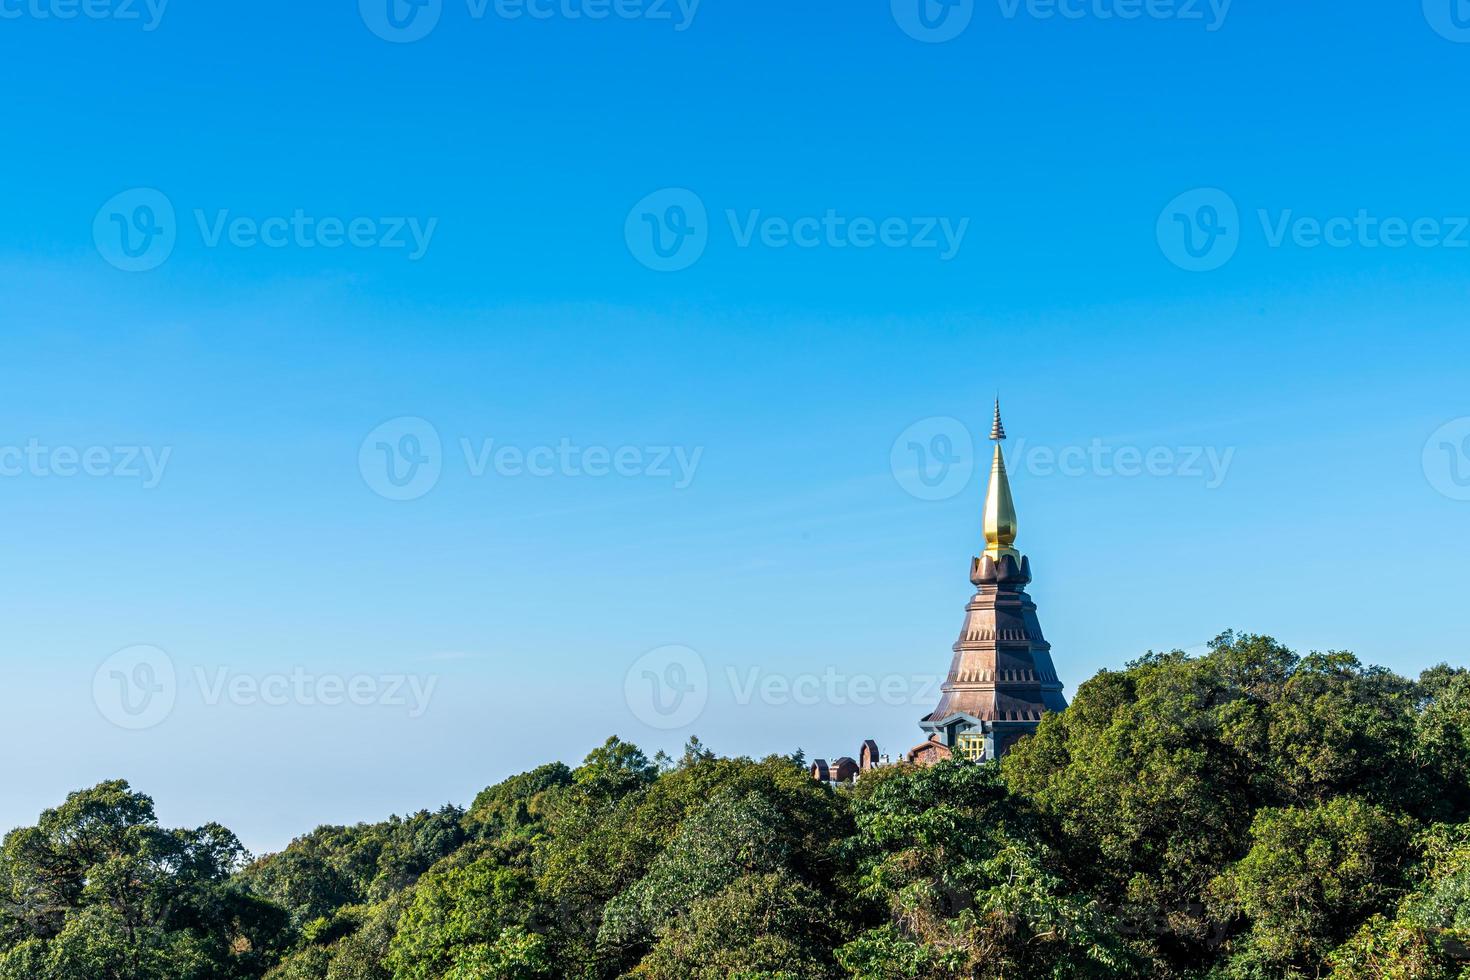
x,y
1001,679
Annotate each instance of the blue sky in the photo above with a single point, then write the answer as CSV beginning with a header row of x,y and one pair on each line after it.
x,y
1299,378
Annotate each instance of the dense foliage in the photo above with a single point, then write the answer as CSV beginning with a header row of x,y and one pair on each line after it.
x,y
1244,815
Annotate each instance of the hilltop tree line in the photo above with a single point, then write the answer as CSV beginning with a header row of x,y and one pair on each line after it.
x,y
1242,815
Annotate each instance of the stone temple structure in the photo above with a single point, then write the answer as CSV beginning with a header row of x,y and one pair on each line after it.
x,y
1001,678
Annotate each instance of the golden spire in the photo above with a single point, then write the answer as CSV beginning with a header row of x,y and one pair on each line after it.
x,y
1000,510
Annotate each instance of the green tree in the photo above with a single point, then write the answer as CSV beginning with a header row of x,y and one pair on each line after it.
x,y
1429,937
955,862
1311,876
335,867
735,835
463,919
518,803
768,925
1441,741
1244,815
1153,776
597,849
98,889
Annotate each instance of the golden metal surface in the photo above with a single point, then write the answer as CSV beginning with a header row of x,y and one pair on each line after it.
x,y
1000,510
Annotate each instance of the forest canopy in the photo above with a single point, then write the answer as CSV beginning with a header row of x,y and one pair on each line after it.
x,y
1246,814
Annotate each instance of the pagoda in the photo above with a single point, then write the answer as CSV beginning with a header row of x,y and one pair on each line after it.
x,y
1001,679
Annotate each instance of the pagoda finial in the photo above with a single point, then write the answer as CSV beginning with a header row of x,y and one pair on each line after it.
x,y
1000,510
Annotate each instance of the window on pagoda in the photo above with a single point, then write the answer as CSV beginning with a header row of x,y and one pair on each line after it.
x,y
971,745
